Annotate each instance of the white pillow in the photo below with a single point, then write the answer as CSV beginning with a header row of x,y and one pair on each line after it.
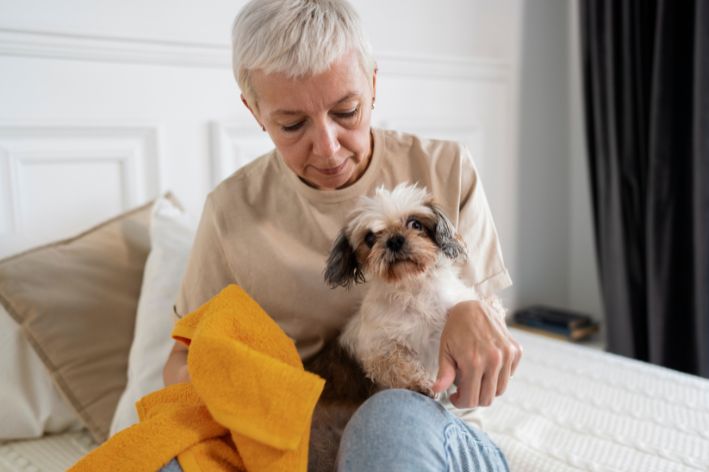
x,y
30,404
171,235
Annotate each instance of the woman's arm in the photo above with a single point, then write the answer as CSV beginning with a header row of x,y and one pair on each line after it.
x,y
207,273
175,370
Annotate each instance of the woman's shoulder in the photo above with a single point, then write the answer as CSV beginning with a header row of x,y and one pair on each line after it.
x,y
413,145
413,154
437,164
246,179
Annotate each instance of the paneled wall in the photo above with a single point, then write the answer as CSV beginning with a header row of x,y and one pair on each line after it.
x,y
104,105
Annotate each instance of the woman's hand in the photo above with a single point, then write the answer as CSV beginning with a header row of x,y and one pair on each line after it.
x,y
183,375
478,353
175,370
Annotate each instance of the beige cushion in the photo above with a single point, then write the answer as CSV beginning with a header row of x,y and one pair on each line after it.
x,y
30,404
76,302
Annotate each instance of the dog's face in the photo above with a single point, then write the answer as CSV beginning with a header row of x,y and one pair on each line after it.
x,y
392,236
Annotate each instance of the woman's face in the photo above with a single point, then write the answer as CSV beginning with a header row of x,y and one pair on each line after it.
x,y
320,124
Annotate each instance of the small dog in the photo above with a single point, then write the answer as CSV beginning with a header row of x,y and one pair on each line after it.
x,y
408,251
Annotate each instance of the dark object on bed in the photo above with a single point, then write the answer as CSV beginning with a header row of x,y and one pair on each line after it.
x,y
555,322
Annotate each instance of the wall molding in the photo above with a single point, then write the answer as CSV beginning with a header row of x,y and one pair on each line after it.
x,y
84,47
8,211
455,68
232,145
56,45
135,149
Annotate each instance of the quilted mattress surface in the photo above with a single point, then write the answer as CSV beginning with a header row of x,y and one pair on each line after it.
x,y
568,408
50,453
572,408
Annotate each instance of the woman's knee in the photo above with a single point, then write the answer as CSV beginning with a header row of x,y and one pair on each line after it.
x,y
394,430
399,408
401,430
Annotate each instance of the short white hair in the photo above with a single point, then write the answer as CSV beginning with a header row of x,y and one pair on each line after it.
x,y
295,37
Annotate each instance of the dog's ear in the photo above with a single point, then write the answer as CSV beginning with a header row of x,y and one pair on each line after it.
x,y
445,236
342,267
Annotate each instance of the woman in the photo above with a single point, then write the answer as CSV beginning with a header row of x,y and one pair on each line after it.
x,y
308,77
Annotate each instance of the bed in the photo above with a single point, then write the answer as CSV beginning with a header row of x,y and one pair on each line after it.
x,y
569,407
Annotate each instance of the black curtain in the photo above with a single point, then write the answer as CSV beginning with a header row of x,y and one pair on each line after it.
x,y
646,93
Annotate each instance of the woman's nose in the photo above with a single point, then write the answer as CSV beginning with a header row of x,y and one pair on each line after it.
x,y
325,141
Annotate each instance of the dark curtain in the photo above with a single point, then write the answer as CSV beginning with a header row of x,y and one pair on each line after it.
x,y
646,94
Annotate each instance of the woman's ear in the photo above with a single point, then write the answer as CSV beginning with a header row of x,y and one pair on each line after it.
x,y
253,113
342,267
246,104
374,85
445,236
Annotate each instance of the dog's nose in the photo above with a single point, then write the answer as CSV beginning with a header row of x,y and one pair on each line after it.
x,y
396,242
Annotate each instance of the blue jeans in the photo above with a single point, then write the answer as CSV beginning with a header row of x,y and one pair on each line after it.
x,y
400,430
172,466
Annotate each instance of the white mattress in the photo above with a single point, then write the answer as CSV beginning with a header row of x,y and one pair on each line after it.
x,y
572,408
568,408
50,453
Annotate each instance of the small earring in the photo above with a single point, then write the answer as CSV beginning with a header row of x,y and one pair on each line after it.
x,y
263,128
373,105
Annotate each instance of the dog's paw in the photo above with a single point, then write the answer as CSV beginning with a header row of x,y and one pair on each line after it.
x,y
424,388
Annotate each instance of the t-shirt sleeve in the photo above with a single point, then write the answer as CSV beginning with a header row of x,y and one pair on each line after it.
x,y
485,268
208,270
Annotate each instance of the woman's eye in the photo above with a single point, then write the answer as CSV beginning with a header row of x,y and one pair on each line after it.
x,y
413,223
347,114
370,239
293,127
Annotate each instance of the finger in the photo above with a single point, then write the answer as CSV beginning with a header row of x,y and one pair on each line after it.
x,y
487,390
468,393
446,375
517,357
504,377
488,384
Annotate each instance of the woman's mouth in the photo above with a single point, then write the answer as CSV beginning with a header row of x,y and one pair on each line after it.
x,y
333,170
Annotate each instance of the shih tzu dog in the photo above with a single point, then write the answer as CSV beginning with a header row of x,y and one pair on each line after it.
x,y
408,251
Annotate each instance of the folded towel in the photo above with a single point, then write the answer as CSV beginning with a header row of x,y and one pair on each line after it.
x,y
248,407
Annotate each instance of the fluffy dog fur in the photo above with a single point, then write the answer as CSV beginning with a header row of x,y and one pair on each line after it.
x,y
407,250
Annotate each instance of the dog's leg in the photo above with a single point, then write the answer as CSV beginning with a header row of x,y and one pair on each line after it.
x,y
398,367
345,379
346,388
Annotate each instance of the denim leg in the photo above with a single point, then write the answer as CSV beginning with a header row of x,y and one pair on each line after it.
x,y
400,430
172,466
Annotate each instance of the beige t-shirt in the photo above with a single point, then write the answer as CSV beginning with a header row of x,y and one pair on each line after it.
x,y
267,231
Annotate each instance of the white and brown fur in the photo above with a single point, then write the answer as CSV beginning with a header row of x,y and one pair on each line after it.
x,y
407,251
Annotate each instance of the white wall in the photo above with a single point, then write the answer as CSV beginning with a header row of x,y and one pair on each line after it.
x,y
105,104
555,243
584,288
543,190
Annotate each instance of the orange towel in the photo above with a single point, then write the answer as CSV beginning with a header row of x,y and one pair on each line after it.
x,y
249,405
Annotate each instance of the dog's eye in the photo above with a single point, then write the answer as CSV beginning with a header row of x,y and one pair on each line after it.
x,y
413,223
370,239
